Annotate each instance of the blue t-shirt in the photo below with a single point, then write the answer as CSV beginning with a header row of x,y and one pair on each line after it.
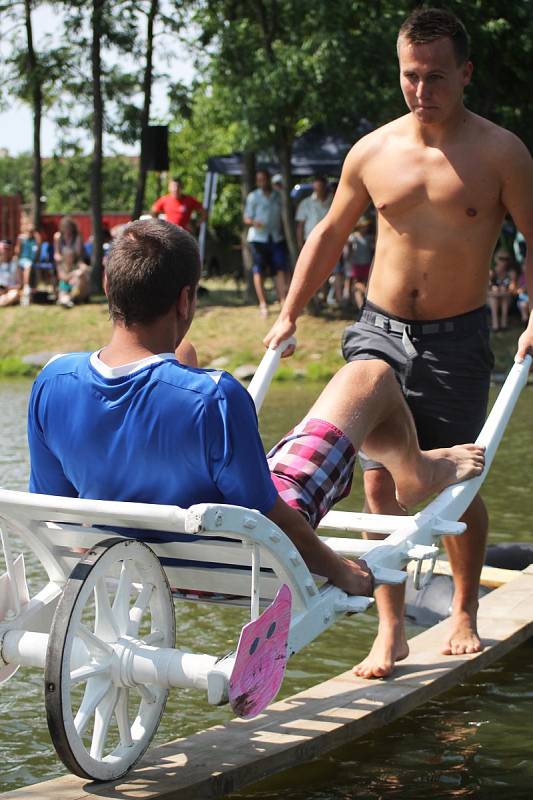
x,y
162,433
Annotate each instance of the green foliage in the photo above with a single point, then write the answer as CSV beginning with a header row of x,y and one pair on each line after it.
x,y
285,374
66,181
315,371
281,67
192,141
17,77
13,367
502,53
15,175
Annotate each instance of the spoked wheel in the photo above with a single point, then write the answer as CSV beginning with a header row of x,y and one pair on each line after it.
x,y
117,596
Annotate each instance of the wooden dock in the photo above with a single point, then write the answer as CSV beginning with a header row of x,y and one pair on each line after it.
x,y
222,759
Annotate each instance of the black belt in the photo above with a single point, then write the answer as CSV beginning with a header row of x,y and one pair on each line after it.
x,y
465,322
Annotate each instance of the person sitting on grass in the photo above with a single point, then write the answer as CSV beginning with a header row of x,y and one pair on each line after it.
x,y
499,297
131,422
11,275
72,272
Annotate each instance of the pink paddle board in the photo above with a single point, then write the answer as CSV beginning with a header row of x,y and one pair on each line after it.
x,y
261,658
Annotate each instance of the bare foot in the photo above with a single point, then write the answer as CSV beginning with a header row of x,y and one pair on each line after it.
x,y
438,469
355,578
389,646
463,636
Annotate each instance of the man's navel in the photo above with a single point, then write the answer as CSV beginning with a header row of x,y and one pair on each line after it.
x,y
471,212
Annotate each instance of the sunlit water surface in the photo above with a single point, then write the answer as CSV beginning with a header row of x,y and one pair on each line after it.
x,y
474,741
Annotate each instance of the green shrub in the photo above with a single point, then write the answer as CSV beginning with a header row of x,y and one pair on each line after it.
x,y
13,367
315,371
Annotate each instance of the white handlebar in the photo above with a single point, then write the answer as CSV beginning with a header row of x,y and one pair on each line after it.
x,y
265,372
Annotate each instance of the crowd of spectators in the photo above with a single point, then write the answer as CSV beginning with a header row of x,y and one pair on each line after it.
x,y
266,239
34,270
507,285
347,285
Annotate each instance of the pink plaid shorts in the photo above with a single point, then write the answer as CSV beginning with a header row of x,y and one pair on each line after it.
x,y
312,468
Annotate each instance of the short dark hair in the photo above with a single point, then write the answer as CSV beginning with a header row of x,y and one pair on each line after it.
x,y
426,25
149,264
176,179
321,178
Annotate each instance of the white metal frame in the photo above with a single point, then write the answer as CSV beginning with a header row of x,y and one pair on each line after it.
x,y
245,556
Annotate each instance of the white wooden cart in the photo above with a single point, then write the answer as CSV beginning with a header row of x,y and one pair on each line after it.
x,y
103,626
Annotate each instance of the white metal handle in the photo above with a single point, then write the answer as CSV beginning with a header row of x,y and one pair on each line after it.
x,y
265,372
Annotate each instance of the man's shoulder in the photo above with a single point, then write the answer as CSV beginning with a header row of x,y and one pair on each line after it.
x,y
372,143
501,141
62,364
218,391
209,382
191,200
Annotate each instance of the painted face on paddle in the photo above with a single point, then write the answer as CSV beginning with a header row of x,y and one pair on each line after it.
x,y
432,81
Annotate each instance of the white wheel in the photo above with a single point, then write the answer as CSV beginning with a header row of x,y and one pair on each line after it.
x,y
116,596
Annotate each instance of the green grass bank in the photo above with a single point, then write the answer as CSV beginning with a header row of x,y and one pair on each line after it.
x,y
226,331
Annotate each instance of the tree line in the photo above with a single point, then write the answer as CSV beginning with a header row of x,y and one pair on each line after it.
x,y
267,70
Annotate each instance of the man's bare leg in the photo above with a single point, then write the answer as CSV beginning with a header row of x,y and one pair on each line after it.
x,y
281,284
260,292
466,554
390,644
365,402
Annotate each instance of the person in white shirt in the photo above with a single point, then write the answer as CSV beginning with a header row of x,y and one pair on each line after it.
x,y
309,213
262,213
312,209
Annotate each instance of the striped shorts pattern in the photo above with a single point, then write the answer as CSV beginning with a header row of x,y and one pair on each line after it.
x,y
312,468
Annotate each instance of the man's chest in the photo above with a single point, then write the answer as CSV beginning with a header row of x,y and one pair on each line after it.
x,y
458,190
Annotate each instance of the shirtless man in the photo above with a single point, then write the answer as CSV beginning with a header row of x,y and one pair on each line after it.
x,y
441,179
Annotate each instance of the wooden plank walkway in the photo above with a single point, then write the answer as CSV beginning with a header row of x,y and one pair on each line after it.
x,y
224,758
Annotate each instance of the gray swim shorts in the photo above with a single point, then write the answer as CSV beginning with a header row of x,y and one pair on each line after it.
x,y
443,367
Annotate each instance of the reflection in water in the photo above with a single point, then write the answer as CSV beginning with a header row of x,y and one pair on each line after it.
x,y
475,742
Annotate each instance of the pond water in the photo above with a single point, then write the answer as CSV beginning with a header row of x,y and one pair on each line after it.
x,y
474,741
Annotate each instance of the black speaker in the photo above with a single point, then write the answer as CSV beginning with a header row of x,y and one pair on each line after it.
x,y
154,148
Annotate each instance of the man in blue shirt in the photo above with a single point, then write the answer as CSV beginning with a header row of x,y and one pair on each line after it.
x,y
132,423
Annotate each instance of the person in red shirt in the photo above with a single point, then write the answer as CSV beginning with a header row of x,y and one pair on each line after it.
x,y
177,206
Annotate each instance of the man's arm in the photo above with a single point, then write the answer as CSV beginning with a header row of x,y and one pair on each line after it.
x,y
517,197
323,247
198,208
300,217
300,233
46,474
158,206
352,577
249,212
